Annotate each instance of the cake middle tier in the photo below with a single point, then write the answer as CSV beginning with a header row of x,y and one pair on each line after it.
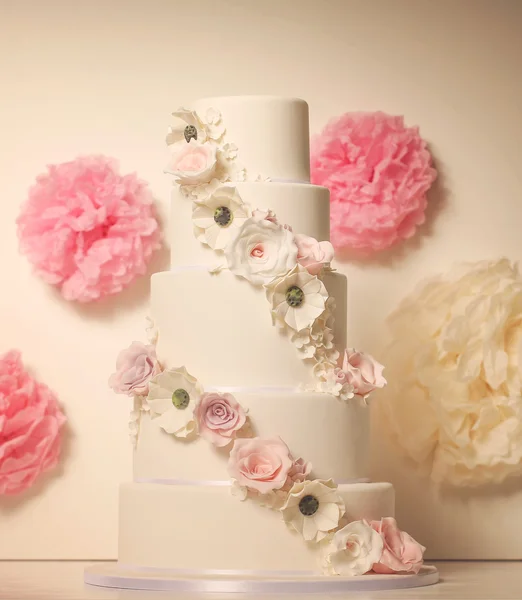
x,y
220,328
319,428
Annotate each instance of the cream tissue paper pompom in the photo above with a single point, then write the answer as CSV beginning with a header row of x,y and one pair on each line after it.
x,y
454,401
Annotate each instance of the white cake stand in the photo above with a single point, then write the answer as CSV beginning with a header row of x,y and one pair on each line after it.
x,y
113,576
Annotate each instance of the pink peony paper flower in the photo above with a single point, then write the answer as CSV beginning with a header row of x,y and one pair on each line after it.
x,y
135,367
219,418
313,255
378,172
260,464
361,371
87,229
401,553
30,426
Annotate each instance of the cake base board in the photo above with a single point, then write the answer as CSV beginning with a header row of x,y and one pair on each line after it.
x,y
113,575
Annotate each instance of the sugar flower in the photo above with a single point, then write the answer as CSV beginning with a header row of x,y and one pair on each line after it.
x,y
352,550
135,367
297,298
260,464
218,217
313,508
261,250
173,395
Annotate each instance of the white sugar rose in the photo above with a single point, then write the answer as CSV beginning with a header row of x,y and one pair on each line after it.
x,y
192,163
352,551
261,251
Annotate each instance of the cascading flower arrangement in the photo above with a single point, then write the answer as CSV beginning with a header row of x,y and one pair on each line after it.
x,y
87,229
378,172
454,405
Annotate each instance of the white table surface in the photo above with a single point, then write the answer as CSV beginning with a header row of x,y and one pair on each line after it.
x,y
63,580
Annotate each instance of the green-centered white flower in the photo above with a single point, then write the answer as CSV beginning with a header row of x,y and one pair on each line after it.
x,y
218,217
298,298
313,508
173,394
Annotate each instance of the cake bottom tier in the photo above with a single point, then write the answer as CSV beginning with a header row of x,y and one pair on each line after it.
x,y
204,527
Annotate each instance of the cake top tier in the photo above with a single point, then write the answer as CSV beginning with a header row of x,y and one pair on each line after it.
x,y
271,134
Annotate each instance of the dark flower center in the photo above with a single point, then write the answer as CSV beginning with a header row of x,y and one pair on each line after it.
x,y
190,133
223,216
180,399
295,296
308,505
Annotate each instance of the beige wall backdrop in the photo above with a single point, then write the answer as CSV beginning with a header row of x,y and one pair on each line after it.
x,y
103,76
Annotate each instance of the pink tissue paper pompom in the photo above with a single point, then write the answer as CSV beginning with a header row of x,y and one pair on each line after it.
x,y
378,172
30,426
88,229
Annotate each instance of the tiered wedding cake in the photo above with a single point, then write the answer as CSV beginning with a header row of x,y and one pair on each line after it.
x,y
251,419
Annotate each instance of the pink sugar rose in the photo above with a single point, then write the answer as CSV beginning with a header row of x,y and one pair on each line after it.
x,y
260,464
361,371
298,473
30,426
401,553
219,418
192,163
313,255
135,367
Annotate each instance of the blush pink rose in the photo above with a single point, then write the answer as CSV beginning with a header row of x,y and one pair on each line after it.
x,y
361,371
219,418
260,464
192,163
401,553
135,367
298,473
313,255
30,426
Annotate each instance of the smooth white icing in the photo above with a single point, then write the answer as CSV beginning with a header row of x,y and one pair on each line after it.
x,y
319,428
271,133
220,327
303,206
188,527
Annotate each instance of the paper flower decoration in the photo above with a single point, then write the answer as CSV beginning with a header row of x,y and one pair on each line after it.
x,y
87,229
353,550
218,217
454,403
172,398
297,298
313,508
31,423
378,172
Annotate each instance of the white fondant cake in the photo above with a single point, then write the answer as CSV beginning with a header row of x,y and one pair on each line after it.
x,y
195,504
